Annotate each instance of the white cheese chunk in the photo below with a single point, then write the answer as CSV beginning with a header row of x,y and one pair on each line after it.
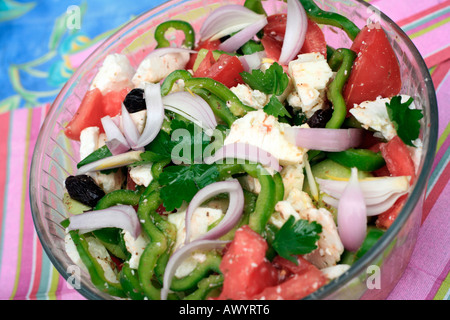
x,y
293,178
249,97
154,69
142,175
114,75
135,247
311,74
88,141
264,131
202,218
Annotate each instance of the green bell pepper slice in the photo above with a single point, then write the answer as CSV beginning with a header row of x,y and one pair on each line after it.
x,y
173,77
235,105
362,159
185,27
320,16
341,62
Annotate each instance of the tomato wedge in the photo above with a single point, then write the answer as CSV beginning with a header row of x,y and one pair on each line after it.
x,y
205,65
207,44
301,280
244,266
93,107
376,71
398,163
88,114
274,36
226,70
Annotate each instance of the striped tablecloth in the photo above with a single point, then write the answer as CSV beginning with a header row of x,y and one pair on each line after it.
x,y
38,54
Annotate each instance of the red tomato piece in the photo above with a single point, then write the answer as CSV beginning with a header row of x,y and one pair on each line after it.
x,y
385,220
274,36
88,114
398,163
226,70
398,158
245,268
302,280
112,102
376,71
205,65
314,40
276,26
207,44
272,47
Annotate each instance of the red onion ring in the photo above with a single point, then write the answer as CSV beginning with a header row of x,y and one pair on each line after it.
x,y
122,217
182,254
113,133
232,216
227,20
294,37
130,130
244,151
192,107
331,140
163,51
155,114
352,214
239,39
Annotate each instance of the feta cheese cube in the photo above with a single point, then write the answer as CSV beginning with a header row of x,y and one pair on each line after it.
x,y
135,247
374,115
264,131
154,69
88,141
293,178
114,75
252,98
142,175
311,74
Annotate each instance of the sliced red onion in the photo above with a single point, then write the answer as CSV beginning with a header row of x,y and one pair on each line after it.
x,y
155,114
239,39
294,37
112,162
192,107
182,254
331,140
130,130
379,193
227,20
252,61
232,216
116,147
244,151
122,217
113,132
163,51
352,216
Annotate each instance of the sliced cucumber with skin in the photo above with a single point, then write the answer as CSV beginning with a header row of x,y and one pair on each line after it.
x,y
74,206
328,169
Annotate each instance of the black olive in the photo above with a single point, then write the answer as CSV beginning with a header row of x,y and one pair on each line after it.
x,y
320,118
83,188
134,101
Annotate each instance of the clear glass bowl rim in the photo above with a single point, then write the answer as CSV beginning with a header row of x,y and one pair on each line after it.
x,y
359,265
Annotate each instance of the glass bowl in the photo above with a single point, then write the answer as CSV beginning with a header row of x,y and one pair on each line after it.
x,y
55,157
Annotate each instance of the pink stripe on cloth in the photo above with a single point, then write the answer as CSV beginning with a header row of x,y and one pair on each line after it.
x,y
11,227
28,253
399,10
429,261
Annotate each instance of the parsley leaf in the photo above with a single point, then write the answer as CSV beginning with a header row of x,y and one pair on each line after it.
x,y
188,142
296,237
181,183
158,150
275,108
405,120
272,81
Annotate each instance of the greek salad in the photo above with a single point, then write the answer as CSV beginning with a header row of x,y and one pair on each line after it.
x,y
249,161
